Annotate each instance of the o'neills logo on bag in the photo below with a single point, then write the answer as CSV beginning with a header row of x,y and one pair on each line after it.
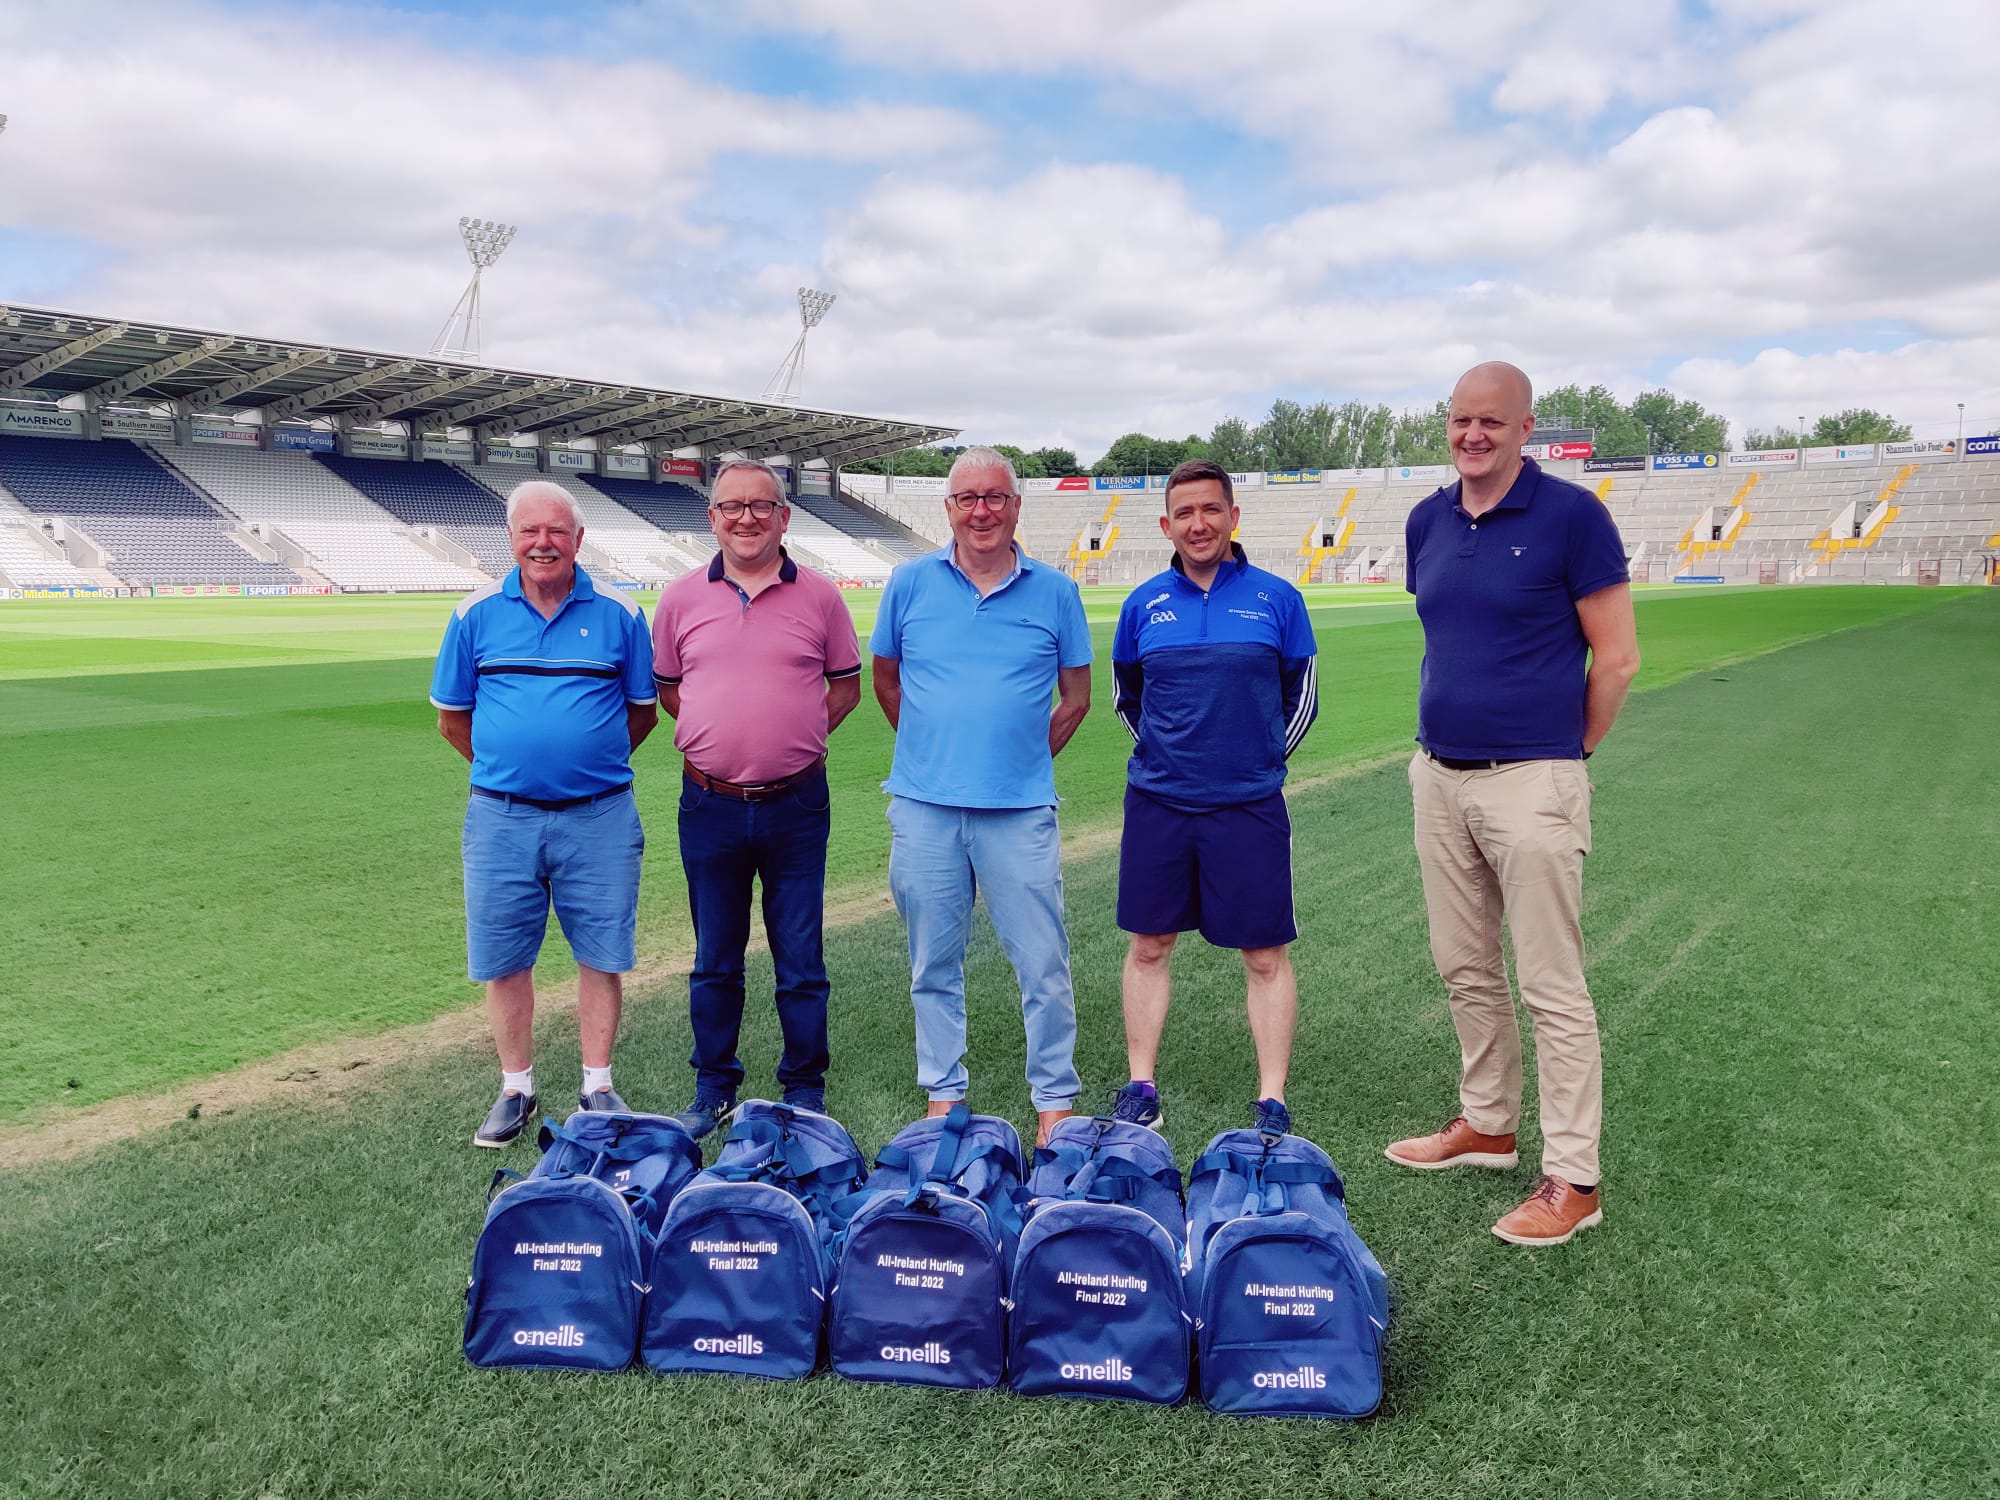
x,y
1307,1379
1110,1370
932,1353
742,1343
569,1336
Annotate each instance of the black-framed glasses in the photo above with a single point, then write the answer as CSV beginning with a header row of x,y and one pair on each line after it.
x,y
732,510
995,499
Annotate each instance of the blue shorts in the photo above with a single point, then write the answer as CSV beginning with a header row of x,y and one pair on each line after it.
x,y
520,860
1226,872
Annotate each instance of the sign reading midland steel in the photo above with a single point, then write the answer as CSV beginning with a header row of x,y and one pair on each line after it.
x,y
1670,463
1861,454
1291,476
1628,463
1763,458
1921,448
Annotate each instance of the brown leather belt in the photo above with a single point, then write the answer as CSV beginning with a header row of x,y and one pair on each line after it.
x,y
754,791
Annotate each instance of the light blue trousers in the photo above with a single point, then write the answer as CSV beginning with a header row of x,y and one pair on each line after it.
x,y
939,858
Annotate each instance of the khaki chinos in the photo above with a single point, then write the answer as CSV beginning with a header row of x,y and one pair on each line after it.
x,y
1510,841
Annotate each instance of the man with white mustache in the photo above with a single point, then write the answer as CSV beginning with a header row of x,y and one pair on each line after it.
x,y
1520,580
546,686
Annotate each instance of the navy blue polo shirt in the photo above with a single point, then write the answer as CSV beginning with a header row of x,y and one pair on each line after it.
x,y
547,697
979,679
1504,653
1216,686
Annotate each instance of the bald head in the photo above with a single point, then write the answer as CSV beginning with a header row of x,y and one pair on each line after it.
x,y
1496,380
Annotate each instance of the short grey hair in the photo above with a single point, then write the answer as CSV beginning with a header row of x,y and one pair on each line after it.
x,y
734,464
983,458
542,489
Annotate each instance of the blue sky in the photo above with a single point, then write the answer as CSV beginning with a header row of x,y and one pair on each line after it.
x,y
1047,221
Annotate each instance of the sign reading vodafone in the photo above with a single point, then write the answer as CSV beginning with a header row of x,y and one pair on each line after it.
x,y
1566,450
681,468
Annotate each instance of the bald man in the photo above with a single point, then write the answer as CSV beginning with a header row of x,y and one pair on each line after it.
x,y
1529,648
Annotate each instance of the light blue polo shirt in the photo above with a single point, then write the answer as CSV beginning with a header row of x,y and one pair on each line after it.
x,y
547,697
979,678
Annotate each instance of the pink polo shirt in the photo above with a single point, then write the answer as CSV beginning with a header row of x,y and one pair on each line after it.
x,y
752,672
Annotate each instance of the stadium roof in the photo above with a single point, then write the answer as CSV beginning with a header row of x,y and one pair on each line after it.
x,y
132,363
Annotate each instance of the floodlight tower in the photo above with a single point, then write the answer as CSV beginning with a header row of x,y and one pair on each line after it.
x,y
783,385
484,240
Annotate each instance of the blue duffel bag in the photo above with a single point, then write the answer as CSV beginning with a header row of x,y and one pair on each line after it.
x,y
922,1263
1099,1309
1292,1310
739,1275
558,1275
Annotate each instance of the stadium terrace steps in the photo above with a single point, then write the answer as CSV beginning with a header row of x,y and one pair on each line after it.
x,y
29,559
677,509
347,539
151,525
636,548
862,523
433,495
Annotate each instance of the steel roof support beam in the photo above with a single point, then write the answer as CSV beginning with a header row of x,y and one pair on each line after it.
x,y
125,385
543,415
390,406
227,391
333,390
458,416
847,437
607,427
19,377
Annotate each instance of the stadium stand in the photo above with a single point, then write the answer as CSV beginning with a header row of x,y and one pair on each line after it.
x,y
636,549
436,496
859,522
346,538
151,526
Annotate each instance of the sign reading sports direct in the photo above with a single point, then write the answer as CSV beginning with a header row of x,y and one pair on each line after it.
x,y
1765,458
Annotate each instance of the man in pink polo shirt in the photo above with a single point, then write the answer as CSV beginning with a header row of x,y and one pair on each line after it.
x,y
757,663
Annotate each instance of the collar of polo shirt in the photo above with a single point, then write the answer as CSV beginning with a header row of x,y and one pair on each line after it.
x,y
788,571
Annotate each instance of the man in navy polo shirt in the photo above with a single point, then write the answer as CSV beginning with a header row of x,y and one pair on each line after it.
x,y
546,686
1529,648
971,644
1216,663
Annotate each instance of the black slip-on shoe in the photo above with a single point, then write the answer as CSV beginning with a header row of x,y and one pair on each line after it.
x,y
507,1118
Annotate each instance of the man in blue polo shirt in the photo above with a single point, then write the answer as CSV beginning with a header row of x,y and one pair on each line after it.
x,y
546,686
970,645
1215,662
1529,647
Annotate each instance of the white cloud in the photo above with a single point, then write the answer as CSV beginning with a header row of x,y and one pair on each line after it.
x,y
1920,383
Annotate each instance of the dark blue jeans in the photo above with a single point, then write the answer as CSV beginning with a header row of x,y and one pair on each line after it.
x,y
781,842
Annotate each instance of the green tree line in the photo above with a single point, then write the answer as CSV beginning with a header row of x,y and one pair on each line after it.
x,y
1354,434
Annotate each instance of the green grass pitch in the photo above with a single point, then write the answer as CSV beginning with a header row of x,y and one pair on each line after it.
x,y
233,830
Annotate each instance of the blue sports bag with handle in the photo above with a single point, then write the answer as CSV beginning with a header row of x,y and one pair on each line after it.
x,y
1292,1310
739,1274
923,1256
1099,1309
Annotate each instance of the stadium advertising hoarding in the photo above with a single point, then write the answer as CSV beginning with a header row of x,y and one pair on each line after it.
x,y
1353,476
1118,482
625,463
451,450
267,590
926,484
40,421
1423,474
1028,486
1291,476
1763,458
302,439
224,434
1921,448
136,424
1674,463
377,445
581,460
683,468
1073,482
1556,450
1982,447
1863,454
866,484
507,453
1699,578
817,480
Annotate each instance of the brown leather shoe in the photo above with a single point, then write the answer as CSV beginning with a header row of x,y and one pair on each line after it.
x,y
1553,1212
1457,1145
1047,1120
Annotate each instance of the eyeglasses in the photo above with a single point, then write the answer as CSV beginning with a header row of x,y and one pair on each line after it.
x,y
732,510
967,499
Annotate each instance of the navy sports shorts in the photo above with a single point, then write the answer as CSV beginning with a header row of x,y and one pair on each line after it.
x,y
1226,872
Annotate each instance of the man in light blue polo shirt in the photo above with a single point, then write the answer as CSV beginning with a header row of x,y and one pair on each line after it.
x,y
546,686
972,646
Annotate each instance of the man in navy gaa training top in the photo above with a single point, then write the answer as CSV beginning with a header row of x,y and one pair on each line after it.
x,y
1215,665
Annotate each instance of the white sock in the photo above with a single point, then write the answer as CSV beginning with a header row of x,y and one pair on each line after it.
x,y
596,1078
522,1082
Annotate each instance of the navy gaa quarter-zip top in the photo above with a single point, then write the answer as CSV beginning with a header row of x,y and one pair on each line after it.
x,y
1216,686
